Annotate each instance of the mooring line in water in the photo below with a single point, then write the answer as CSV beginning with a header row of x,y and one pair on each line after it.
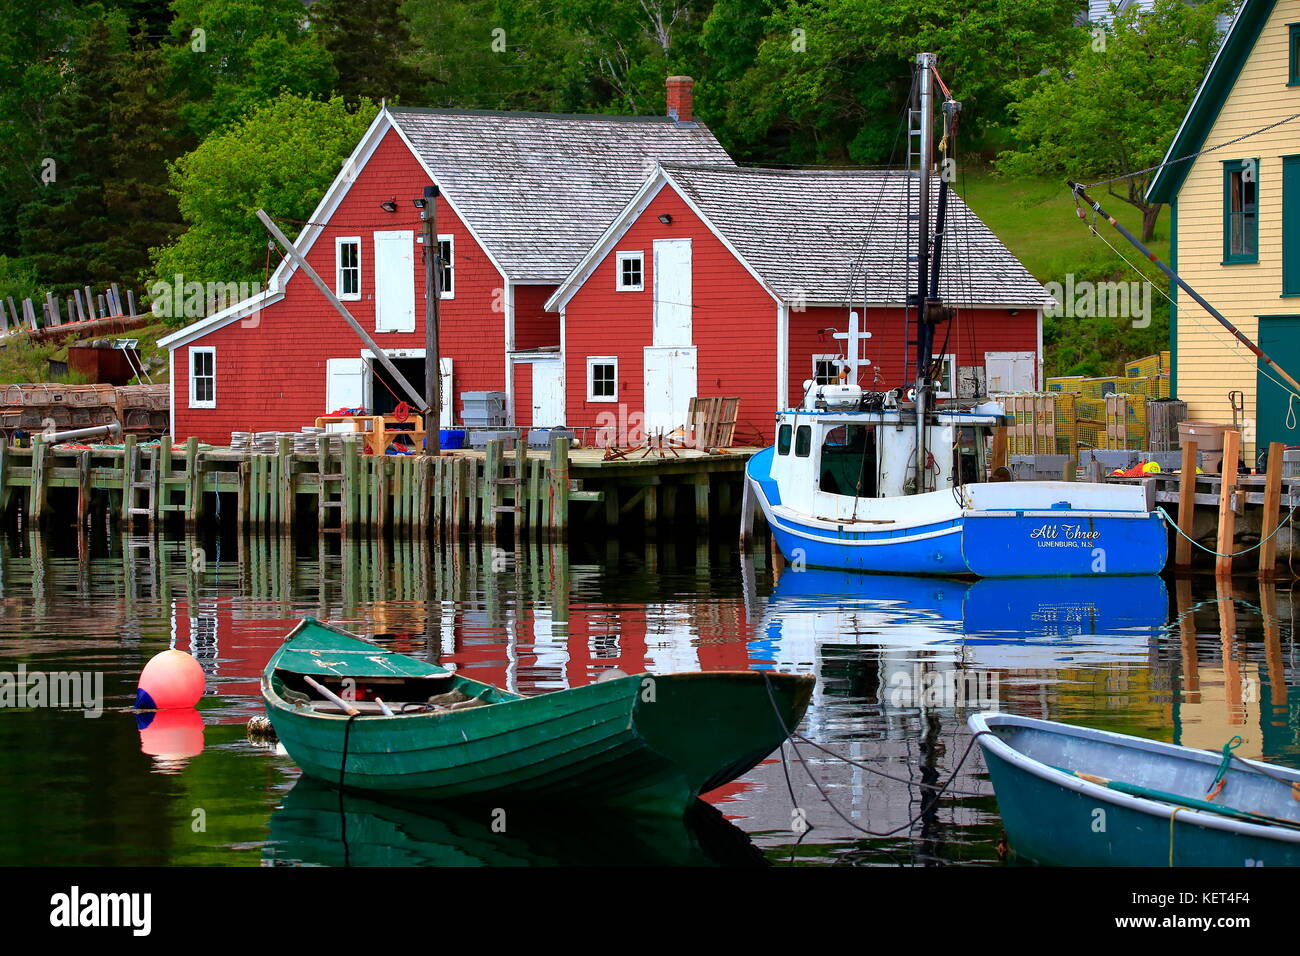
x,y
939,791
862,766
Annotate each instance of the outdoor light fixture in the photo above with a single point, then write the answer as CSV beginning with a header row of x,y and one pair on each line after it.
x,y
421,203
389,205
665,219
418,203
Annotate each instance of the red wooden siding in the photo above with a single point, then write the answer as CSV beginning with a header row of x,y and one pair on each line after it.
x,y
523,372
535,328
270,369
974,332
733,327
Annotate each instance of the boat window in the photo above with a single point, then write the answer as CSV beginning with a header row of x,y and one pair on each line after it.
x,y
803,441
848,465
967,456
783,440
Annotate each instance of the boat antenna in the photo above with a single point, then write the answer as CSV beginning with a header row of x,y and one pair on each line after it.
x,y
1081,195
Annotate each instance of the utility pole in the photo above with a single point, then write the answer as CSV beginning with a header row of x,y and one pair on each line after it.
x,y
428,206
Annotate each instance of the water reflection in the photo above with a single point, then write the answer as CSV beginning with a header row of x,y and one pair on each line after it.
x,y
900,664
317,825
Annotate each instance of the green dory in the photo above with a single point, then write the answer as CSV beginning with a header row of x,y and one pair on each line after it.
x,y
357,715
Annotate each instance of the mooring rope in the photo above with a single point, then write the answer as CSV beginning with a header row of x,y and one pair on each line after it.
x,y
926,807
1233,554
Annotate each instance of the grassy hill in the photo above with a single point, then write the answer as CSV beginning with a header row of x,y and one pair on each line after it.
x,y
1036,219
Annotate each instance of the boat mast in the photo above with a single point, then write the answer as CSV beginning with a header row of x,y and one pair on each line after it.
x,y
924,329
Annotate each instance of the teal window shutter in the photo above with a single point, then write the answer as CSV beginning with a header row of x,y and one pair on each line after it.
x,y
1240,211
1291,225
1293,54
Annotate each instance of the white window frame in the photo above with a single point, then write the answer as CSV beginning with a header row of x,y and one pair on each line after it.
x,y
339,243
619,259
826,357
592,362
203,350
947,389
450,265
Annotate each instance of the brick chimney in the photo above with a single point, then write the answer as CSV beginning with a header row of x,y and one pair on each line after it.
x,y
679,98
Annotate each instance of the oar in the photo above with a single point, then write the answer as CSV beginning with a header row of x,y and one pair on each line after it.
x,y
1134,790
331,696
387,711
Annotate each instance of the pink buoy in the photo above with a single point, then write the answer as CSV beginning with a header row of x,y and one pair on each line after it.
x,y
171,736
172,679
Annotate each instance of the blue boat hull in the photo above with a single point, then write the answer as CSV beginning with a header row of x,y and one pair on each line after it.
x,y
1051,819
1052,543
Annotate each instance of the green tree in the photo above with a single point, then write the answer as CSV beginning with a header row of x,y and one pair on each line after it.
x,y
280,158
229,57
370,42
830,78
1115,105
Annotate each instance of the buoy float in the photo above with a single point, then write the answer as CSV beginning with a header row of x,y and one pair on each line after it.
x,y
171,736
172,679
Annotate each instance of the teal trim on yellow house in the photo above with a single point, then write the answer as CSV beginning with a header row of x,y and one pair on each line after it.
x,y
1210,98
1173,299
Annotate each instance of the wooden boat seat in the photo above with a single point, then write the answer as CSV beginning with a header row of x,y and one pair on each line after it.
x,y
452,701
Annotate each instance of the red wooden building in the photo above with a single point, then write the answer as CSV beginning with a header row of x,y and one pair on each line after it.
x,y
601,270
523,197
731,281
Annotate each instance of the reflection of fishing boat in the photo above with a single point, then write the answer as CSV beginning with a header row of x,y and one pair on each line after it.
x,y
319,826
894,482
1046,623
1073,796
352,713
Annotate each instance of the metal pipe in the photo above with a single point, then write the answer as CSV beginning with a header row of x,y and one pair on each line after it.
x,y
98,431
1078,190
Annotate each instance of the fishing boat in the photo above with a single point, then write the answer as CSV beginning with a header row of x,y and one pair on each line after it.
x,y
896,480
1072,796
364,717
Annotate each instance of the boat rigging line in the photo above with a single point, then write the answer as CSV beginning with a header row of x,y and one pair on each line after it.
x,y
1080,194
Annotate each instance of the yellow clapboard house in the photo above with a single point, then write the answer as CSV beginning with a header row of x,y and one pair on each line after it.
x,y
1235,226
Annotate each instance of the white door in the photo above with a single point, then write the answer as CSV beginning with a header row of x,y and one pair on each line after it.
x,y
1010,371
445,416
395,281
672,289
670,384
548,393
346,386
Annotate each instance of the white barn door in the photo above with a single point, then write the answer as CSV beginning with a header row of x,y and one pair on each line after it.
x,y
670,384
347,383
395,281
548,393
1010,371
445,394
672,291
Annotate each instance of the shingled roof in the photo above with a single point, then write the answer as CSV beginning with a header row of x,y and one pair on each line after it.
x,y
817,235
538,189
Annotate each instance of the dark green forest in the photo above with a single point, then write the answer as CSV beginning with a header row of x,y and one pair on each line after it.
x,y
138,137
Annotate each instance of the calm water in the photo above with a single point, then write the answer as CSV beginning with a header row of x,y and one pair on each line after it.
x,y
900,663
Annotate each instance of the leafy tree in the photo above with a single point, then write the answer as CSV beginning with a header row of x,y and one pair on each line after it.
x,y
830,78
371,45
102,199
280,158
231,56
1116,104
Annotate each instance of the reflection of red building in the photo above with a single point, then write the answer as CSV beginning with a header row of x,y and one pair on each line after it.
x,y
528,651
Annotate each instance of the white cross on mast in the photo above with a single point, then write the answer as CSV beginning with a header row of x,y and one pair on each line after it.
x,y
853,340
